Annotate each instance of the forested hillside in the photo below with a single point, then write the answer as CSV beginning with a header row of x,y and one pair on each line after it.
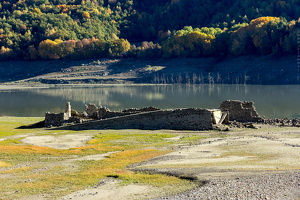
x,y
77,29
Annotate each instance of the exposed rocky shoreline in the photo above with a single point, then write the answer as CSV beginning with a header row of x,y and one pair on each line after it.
x,y
264,185
284,122
239,70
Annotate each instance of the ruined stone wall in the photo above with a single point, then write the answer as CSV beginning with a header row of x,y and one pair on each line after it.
x,y
241,111
110,114
179,119
92,111
55,119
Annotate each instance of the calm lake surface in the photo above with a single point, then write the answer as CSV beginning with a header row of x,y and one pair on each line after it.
x,y
271,101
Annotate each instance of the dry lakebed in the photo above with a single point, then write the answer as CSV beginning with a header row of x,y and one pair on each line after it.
x,y
241,163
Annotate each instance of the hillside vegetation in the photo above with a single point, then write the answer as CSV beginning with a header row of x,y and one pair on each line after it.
x,y
77,29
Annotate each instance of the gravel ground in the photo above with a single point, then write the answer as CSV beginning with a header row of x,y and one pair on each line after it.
x,y
281,186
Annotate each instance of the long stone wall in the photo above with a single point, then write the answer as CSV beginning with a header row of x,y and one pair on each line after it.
x,y
178,119
152,118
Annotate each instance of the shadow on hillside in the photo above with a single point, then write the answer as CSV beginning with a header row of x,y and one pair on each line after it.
x,y
20,70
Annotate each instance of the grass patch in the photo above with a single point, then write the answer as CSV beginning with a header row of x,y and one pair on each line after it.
x,y
10,141
4,164
192,138
8,125
133,139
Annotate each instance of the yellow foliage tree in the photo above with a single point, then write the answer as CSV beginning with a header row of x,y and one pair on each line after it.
x,y
6,52
261,33
190,42
254,35
262,20
199,43
37,11
86,15
119,46
49,49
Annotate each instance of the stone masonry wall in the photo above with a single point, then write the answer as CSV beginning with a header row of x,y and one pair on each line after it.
x,y
241,111
94,112
178,119
55,119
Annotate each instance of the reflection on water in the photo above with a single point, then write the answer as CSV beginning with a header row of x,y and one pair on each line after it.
x,y
270,101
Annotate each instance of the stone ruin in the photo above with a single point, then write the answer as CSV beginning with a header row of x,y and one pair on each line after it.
x,y
175,119
153,118
57,119
94,112
91,112
240,111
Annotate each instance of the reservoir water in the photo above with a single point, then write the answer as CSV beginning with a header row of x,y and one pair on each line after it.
x,y
272,101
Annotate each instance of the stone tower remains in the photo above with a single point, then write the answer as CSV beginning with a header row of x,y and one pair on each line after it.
x,y
68,110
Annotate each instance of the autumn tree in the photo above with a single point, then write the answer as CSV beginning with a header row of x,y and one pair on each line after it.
x,y
190,42
6,53
119,47
49,49
258,36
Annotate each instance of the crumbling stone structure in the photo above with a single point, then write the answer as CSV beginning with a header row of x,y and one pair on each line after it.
x,y
57,119
178,119
241,111
68,109
153,118
92,112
